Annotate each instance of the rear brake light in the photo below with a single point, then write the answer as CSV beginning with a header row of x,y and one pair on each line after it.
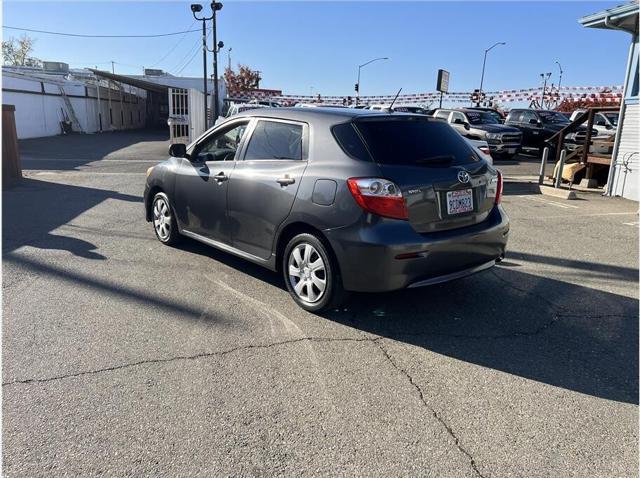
x,y
499,189
378,196
485,150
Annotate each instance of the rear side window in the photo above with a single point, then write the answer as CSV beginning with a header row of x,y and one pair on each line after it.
x,y
275,140
350,142
414,141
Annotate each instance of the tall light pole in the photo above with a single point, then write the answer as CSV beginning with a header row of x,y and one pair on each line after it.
x,y
196,8
215,6
359,68
545,77
560,79
484,63
229,57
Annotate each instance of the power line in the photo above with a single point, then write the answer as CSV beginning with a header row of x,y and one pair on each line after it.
x,y
100,36
174,46
192,57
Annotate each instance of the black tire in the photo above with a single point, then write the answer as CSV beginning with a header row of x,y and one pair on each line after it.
x,y
163,220
333,295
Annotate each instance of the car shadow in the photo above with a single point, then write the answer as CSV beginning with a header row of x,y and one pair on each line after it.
x,y
555,332
541,329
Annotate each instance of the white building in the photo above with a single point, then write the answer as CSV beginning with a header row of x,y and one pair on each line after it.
x,y
47,101
624,174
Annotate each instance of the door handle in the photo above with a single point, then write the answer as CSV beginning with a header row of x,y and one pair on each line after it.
x,y
286,181
221,177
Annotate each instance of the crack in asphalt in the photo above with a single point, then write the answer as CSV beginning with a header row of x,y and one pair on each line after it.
x,y
435,414
189,357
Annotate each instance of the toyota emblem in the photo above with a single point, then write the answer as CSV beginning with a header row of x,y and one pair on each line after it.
x,y
463,177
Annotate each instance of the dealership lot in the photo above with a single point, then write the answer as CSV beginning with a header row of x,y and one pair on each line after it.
x,y
126,357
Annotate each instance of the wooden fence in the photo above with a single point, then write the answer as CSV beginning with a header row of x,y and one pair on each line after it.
x,y
11,165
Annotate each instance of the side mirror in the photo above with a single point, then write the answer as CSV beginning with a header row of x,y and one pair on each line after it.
x,y
178,150
466,125
533,121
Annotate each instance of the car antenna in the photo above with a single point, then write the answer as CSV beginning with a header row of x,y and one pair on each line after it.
x,y
394,100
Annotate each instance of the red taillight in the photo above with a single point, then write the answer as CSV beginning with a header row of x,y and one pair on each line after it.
x,y
499,189
485,150
378,196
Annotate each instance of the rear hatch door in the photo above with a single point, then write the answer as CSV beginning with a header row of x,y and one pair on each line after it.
x,y
445,183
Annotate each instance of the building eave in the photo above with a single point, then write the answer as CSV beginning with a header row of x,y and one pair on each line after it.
x,y
623,17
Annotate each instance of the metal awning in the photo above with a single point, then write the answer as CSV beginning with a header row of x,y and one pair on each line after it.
x,y
138,83
623,17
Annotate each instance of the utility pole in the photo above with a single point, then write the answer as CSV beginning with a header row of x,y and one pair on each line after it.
x,y
113,68
229,57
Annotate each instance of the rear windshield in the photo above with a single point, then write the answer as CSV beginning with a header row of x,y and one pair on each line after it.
x,y
407,140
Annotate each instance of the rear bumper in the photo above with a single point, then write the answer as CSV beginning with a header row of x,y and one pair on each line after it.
x,y
367,253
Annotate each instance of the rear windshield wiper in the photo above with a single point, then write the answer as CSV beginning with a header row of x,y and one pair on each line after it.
x,y
442,159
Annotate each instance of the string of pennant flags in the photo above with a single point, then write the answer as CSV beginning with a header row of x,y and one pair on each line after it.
x,y
608,94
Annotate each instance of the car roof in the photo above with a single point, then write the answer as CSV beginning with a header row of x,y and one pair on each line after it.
x,y
316,114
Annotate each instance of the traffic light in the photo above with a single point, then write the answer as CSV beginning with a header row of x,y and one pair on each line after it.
x,y
357,87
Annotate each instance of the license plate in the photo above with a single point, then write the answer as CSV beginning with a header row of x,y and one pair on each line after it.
x,y
511,150
459,202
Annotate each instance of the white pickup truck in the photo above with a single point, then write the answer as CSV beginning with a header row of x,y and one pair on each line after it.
x,y
606,123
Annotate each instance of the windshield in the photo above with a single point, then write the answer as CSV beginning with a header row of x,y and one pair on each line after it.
x,y
481,117
553,117
613,117
414,141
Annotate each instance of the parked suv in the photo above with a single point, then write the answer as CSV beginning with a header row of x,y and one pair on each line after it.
x,y
336,199
504,141
538,126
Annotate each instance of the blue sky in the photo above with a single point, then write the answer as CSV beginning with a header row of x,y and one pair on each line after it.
x,y
304,46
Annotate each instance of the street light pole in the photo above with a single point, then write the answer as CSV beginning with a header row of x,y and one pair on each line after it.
x,y
484,63
359,68
215,6
560,79
229,57
196,8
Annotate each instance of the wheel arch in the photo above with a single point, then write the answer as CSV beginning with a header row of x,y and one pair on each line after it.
x,y
293,229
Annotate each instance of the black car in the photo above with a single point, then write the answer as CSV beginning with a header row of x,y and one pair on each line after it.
x,y
538,126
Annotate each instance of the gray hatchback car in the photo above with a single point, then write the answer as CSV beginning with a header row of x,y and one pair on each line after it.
x,y
336,199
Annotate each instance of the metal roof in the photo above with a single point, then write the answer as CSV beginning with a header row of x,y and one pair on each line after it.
x,y
623,17
138,83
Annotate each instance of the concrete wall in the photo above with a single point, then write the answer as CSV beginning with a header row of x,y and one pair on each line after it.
x,y
40,105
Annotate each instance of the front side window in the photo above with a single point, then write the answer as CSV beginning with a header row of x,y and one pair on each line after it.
x,y
527,116
275,140
221,146
442,115
458,118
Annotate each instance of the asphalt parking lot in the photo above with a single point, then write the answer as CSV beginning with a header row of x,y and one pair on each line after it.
x,y
123,357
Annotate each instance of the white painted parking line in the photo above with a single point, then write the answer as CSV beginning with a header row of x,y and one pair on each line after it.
x,y
631,223
88,161
595,214
78,173
552,203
